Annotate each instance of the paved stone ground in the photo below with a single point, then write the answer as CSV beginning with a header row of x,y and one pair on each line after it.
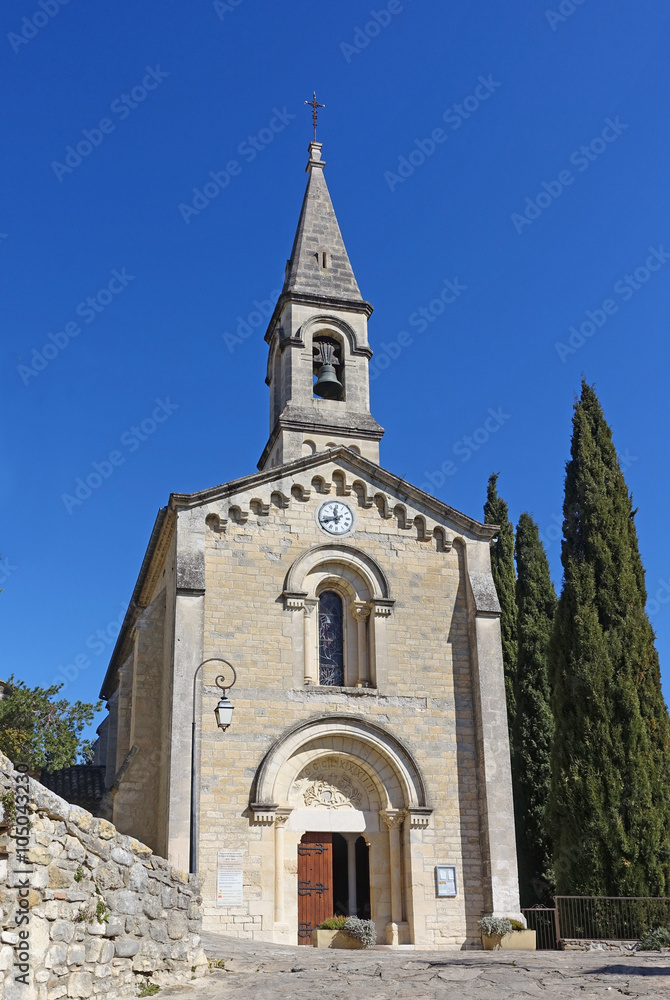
x,y
256,971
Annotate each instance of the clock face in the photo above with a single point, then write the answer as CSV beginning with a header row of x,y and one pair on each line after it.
x,y
336,517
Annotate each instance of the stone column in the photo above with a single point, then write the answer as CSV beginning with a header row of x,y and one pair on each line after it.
x,y
361,613
494,775
279,823
351,872
189,618
311,659
393,818
188,654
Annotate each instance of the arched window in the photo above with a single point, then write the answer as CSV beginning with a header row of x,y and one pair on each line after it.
x,y
331,639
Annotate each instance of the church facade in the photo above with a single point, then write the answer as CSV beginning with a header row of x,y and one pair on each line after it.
x,y
366,768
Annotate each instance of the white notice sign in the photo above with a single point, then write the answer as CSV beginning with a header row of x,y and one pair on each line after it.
x,y
229,879
445,877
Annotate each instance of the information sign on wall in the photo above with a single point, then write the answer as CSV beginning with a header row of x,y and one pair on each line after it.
x,y
229,879
445,878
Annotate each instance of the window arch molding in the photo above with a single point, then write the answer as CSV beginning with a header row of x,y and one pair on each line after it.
x,y
360,565
366,597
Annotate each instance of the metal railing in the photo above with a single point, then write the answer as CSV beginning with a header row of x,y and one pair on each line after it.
x,y
610,918
542,920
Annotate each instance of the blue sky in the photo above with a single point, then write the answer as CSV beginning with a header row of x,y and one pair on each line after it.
x,y
518,152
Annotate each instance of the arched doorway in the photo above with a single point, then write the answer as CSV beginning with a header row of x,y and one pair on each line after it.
x,y
344,795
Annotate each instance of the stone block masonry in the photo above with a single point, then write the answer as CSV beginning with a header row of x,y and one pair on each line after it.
x,y
84,910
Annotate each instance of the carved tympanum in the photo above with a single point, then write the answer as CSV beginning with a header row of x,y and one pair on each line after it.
x,y
326,795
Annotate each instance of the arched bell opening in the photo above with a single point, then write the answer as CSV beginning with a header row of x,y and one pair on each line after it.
x,y
328,368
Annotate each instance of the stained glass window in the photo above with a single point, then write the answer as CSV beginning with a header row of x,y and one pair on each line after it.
x,y
331,639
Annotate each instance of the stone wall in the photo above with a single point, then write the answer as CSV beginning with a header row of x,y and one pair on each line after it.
x,y
580,944
84,910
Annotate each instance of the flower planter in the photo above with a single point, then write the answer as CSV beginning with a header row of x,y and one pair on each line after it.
x,y
514,941
334,939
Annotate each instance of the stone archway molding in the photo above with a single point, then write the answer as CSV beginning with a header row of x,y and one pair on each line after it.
x,y
346,735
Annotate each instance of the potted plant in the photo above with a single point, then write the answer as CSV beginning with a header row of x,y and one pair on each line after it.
x,y
506,934
345,932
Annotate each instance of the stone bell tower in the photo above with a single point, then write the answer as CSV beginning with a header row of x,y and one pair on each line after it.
x,y
320,319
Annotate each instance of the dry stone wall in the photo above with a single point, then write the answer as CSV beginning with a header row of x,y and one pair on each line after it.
x,y
84,910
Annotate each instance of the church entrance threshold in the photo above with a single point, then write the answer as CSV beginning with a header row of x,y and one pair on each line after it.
x,y
333,879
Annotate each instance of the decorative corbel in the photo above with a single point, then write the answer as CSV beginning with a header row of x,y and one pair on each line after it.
x,y
342,488
302,493
282,502
382,502
259,507
426,533
216,523
361,492
404,522
263,813
419,816
294,601
238,515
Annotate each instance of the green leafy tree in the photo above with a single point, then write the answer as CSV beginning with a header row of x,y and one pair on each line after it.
x,y
533,723
40,731
610,786
504,577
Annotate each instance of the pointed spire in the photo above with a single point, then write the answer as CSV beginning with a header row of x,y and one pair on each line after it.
x,y
319,264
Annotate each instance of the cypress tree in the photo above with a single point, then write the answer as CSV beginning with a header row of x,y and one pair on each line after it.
x,y
504,577
610,785
533,724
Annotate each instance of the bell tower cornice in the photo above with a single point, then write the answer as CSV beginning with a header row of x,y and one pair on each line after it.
x,y
323,302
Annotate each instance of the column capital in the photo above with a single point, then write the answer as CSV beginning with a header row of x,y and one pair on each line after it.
x,y
360,610
393,818
281,816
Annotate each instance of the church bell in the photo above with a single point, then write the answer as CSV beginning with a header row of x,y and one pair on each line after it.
x,y
327,384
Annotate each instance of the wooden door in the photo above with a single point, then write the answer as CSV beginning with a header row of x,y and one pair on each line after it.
x,y
315,883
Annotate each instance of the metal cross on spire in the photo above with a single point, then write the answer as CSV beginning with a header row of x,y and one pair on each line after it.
x,y
314,105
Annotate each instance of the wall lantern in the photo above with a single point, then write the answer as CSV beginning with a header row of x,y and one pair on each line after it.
x,y
224,710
